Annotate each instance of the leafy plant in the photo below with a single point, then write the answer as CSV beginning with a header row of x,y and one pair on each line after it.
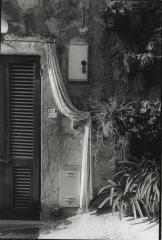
x,y
135,186
124,121
140,61
111,121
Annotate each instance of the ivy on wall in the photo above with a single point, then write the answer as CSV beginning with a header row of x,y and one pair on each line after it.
x,y
132,43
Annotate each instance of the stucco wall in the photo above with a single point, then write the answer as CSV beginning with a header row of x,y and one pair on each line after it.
x,y
71,144
50,147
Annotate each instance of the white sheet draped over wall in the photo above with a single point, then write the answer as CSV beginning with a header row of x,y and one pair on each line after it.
x,y
66,107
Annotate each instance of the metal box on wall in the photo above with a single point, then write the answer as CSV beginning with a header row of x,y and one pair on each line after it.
x,y
78,62
69,189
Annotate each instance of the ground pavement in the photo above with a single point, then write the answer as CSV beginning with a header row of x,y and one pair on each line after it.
x,y
82,226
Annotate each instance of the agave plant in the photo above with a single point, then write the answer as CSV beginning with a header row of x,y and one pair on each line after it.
x,y
135,186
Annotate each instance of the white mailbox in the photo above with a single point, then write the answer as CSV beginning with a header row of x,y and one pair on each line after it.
x,y
69,189
78,62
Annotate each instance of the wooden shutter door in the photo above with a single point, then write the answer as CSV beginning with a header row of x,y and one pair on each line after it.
x,y
3,144
22,98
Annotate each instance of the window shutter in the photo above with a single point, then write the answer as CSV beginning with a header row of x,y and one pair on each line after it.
x,y
21,111
20,106
22,187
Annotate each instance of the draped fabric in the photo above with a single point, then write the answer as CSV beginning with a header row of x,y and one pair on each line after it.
x,y
66,107
86,193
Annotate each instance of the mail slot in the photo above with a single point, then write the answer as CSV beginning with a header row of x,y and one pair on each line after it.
x,y
69,189
70,173
78,62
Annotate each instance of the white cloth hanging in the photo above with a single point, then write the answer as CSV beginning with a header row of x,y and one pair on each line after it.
x,y
66,107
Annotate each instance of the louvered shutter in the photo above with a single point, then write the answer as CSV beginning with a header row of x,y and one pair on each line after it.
x,y
21,187
23,155
21,111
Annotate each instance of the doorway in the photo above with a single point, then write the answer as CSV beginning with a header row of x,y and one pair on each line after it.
x,y
20,137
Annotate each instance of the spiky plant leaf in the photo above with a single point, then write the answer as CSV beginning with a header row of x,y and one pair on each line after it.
x,y
121,210
146,209
142,179
157,192
147,196
143,191
134,209
116,201
138,208
128,183
106,188
112,182
146,179
111,195
106,200
118,173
